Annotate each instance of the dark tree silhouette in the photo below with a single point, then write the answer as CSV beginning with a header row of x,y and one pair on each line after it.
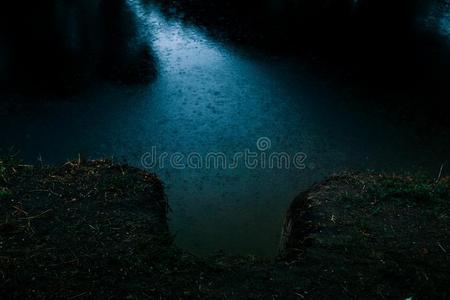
x,y
64,45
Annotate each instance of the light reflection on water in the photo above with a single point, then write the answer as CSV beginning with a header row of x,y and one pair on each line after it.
x,y
438,18
212,97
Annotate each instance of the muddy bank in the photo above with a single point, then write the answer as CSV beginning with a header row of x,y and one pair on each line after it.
x,y
85,228
99,229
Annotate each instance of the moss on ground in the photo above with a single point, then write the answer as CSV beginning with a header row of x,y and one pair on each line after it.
x,y
374,235
99,230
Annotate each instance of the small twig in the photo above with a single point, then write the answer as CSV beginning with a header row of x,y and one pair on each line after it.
x,y
442,248
3,177
37,216
29,226
65,262
25,166
77,296
440,173
47,191
40,160
19,209
69,163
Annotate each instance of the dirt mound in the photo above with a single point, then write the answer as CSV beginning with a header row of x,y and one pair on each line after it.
x,y
81,229
99,230
373,235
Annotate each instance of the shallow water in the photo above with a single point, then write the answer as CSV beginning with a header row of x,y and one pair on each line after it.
x,y
214,97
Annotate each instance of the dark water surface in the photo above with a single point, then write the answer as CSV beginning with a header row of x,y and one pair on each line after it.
x,y
210,96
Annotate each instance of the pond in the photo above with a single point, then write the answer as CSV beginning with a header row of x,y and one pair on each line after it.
x,y
211,96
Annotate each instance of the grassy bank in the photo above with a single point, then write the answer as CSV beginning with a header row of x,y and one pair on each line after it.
x,y
96,229
375,235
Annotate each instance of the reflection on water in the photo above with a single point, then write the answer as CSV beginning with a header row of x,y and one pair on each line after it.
x,y
212,97
438,18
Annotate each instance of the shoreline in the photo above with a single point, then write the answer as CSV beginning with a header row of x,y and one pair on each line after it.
x,y
96,229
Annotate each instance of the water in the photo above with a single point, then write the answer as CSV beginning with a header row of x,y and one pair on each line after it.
x,y
208,97
438,18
